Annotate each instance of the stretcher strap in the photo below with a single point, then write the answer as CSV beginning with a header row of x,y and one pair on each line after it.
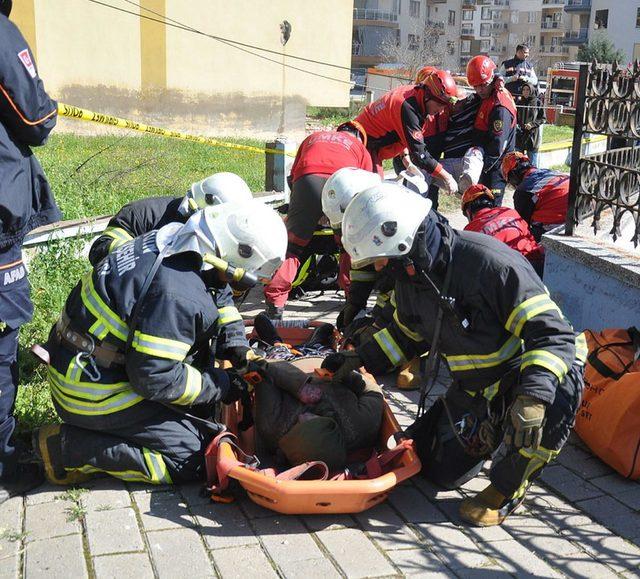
x,y
377,465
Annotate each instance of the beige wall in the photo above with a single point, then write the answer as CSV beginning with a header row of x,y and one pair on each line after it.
x,y
95,57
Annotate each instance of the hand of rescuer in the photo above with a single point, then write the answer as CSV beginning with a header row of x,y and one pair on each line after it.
x,y
527,419
342,363
445,180
238,388
240,357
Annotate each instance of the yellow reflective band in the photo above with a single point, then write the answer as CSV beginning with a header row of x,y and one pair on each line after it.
x,y
389,347
415,336
322,232
303,272
126,475
99,330
228,314
392,298
490,391
192,387
528,310
103,313
463,363
537,459
85,390
582,351
120,237
157,467
362,275
545,359
160,347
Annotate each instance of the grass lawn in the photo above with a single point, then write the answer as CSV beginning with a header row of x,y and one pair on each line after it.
x,y
554,133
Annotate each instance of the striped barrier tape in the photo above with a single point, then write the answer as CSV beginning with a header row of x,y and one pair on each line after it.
x,y
87,115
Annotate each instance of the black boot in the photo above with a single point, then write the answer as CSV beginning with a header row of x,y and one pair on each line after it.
x,y
26,476
322,336
265,329
273,312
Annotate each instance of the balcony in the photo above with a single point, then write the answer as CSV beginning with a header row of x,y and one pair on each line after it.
x,y
436,26
436,1
553,3
499,26
467,33
500,4
372,14
468,4
554,49
578,6
552,25
576,37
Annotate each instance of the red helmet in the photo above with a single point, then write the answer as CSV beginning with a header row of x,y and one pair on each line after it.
x,y
354,125
480,70
473,192
423,73
440,86
511,161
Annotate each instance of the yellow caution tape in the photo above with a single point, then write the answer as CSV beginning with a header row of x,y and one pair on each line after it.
x,y
87,115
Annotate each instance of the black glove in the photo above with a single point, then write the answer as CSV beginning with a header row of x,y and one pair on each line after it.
x,y
240,357
346,316
342,363
238,387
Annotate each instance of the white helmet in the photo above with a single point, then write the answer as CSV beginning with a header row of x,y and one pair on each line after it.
x,y
341,187
248,235
382,221
220,188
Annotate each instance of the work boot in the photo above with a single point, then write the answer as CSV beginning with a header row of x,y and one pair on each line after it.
x,y
410,376
26,476
265,329
322,336
488,508
48,446
273,312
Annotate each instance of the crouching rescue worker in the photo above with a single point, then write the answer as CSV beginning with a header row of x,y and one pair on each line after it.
x,y
541,196
144,215
132,349
503,223
320,155
517,365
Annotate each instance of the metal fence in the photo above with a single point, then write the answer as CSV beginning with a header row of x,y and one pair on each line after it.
x,y
608,103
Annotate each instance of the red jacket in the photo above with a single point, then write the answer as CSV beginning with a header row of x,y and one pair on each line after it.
x,y
505,224
543,196
324,152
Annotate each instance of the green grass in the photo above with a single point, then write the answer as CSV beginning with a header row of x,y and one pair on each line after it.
x,y
554,133
334,115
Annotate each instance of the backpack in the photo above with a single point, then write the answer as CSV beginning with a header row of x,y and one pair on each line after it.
x,y
319,265
608,420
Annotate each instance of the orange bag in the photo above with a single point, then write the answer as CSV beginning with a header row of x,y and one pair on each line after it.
x,y
609,418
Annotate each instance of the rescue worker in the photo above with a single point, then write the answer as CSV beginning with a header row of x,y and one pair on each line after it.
x,y
517,378
541,196
531,119
131,351
320,155
27,116
518,71
495,123
503,223
396,120
144,215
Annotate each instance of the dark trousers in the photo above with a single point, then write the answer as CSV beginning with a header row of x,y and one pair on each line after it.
x,y
450,463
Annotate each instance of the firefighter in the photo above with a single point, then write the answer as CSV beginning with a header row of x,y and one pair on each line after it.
x,y
144,215
320,155
541,196
132,350
397,119
503,223
27,116
495,123
517,365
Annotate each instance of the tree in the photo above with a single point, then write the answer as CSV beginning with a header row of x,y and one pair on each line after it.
x,y
601,49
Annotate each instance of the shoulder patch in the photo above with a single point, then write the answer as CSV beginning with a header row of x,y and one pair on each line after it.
x,y
417,135
27,62
497,125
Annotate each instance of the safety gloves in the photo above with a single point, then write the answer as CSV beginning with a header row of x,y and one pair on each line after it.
x,y
240,358
445,180
346,316
527,419
238,388
342,364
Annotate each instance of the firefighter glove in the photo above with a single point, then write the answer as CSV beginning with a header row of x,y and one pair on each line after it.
x,y
240,356
446,182
238,387
342,363
527,419
346,316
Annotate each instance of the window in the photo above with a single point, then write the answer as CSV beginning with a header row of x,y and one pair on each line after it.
x,y
638,18
602,19
452,17
414,8
486,13
465,46
531,39
467,15
413,41
451,47
515,17
485,29
485,45
532,17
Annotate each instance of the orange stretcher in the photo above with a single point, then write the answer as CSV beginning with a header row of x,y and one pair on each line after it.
x,y
229,457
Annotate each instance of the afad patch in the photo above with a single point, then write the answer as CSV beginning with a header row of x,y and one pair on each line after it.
x,y
497,125
26,60
417,135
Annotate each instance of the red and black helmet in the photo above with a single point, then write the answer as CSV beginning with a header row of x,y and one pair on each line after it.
x,y
423,73
473,193
513,160
440,86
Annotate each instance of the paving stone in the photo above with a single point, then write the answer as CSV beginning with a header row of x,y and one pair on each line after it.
x,y
243,563
195,494
45,493
492,571
452,546
328,522
223,526
253,510
106,494
11,515
134,565
544,540
9,557
435,493
557,512
414,506
419,562
613,484
488,534
162,511
630,498
581,565
569,484
309,569
286,539
583,463
518,560
57,557
355,553
171,549
475,485
46,520
613,515
113,531
387,529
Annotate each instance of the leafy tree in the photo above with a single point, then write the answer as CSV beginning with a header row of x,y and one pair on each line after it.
x,y
602,49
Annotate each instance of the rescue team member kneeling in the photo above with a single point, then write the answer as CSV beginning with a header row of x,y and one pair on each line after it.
x,y
133,344
151,213
517,378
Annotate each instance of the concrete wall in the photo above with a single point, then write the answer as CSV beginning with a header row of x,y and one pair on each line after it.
x,y
110,61
621,27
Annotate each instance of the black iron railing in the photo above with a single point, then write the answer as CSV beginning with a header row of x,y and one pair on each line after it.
x,y
608,103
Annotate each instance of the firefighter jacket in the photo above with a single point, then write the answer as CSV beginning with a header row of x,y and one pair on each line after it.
x,y
398,117
505,224
503,320
324,152
495,132
542,197
530,112
517,73
169,360
27,115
